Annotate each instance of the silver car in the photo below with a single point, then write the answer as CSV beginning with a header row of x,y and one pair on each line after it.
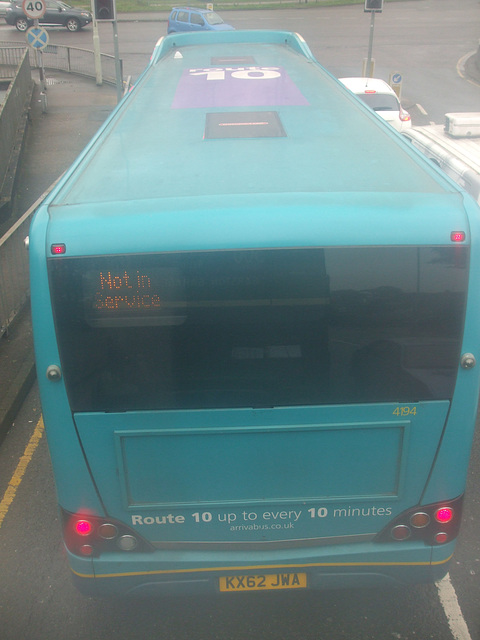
x,y
3,8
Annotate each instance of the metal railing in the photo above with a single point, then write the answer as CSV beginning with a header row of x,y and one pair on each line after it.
x,y
10,59
13,113
58,56
14,265
14,276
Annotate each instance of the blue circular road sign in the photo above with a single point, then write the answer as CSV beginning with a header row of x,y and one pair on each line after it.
x,y
37,38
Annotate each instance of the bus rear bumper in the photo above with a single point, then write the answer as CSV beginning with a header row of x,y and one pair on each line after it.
x,y
132,578
149,587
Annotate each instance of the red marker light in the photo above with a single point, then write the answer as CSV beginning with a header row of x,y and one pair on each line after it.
x,y
444,515
58,249
86,550
441,537
83,527
457,236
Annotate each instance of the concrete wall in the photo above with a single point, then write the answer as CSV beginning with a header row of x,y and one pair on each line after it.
x,y
477,60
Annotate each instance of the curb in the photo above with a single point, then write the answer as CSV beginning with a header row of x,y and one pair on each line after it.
x,y
16,394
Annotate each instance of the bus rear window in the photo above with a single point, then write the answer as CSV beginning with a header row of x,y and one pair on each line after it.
x,y
259,328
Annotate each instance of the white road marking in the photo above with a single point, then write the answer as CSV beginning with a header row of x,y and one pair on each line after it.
x,y
449,602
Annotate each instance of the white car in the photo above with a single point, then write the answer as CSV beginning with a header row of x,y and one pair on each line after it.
x,y
380,97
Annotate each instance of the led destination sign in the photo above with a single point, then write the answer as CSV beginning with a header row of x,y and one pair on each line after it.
x,y
154,295
125,291
132,296
143,291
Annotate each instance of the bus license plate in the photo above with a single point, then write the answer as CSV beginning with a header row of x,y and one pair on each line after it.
x,y
265,582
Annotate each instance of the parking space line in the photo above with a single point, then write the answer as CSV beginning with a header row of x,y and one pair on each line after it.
x,y
449,602
17,477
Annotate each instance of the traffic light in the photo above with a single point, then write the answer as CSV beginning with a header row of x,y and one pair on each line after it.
x,y
104,9
374,5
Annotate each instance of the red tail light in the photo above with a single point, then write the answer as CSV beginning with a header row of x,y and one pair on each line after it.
x,y
83,527
434,524
87,535
444,515
404,115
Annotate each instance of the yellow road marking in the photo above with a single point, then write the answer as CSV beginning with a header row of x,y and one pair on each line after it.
x,y
19,472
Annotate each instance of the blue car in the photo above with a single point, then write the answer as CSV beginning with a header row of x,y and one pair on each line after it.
x,y
188,19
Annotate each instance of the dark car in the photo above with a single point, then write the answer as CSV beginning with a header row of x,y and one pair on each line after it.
x,y
58,14
188,19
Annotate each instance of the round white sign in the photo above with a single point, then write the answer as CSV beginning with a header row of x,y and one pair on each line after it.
x,y
34,9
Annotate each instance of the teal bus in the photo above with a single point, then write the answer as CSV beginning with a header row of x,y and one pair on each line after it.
x,y
255,312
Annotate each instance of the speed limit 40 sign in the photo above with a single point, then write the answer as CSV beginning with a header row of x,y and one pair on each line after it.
x,y
34,9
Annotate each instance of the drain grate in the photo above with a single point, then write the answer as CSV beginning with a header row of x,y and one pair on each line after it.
x,y
51,81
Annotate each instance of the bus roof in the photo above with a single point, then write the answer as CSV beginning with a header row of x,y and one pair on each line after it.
x,y
241,113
